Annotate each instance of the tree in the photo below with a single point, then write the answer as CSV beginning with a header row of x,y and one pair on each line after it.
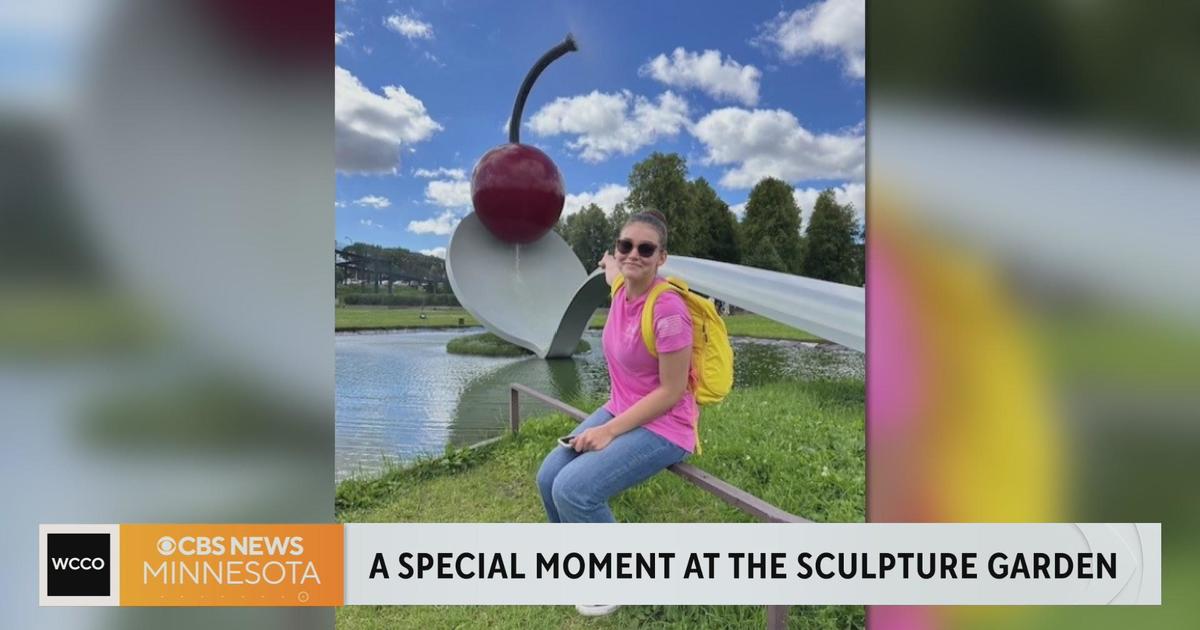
x,y
830,251
764,256
620,215
772,225
589,234
716,238
659,182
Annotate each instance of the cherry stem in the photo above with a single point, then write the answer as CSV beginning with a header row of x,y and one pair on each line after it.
x,y
514,123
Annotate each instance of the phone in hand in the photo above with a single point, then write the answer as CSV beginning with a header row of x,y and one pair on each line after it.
x,y
565,441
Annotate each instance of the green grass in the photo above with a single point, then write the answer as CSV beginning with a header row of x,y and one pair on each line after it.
x,y
489,345
757,326
741,325
800,446
348,318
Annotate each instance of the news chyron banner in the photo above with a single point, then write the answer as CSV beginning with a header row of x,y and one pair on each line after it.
x,y
191,565
551,564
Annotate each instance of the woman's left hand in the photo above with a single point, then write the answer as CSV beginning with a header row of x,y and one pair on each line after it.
x,y
593,439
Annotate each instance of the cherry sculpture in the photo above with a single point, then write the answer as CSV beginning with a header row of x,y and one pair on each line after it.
x,y
516,189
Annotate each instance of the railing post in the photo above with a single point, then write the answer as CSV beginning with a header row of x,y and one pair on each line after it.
x,y
514,409
777,617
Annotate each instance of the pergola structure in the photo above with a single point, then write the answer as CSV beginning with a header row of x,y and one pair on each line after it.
x,y
372,269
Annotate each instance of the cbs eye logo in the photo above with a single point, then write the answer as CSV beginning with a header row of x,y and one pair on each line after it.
x,y
78,565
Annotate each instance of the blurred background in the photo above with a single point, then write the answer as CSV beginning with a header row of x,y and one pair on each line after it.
x,y
1033,303
166,346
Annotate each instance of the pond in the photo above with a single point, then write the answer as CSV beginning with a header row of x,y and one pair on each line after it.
x,y
400,395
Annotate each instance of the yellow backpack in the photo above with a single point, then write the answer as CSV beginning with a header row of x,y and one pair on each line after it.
x,y
712,354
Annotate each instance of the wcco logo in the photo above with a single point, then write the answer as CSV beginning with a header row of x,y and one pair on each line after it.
x,y
78,564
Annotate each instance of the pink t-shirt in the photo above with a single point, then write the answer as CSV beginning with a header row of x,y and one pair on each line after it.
x,y
633,371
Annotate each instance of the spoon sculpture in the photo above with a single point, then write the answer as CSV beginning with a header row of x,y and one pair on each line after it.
x,y
537,296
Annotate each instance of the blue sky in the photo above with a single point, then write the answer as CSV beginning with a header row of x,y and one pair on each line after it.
x,y
742,90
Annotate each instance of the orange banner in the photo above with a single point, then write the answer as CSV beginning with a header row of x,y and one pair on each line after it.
x,y
231,565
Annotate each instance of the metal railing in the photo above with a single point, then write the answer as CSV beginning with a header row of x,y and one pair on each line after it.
x,y
734,496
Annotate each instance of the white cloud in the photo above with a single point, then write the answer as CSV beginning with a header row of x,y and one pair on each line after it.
x,y
339,204
410,27
443,224
373,201
369,223
739,210
852,192
607,124
341,38
440,252
370,128
771,143
449,193
832,28
706,71
452,173
608,196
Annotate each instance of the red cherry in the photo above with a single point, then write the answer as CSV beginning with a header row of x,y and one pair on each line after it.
x,y
518,193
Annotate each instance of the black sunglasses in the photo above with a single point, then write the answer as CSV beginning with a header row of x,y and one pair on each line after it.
x,y
645,250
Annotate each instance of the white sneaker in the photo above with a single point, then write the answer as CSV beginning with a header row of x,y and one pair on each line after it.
x,y
596,610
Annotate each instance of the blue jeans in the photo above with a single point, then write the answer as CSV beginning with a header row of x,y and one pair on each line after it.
x,y
576,487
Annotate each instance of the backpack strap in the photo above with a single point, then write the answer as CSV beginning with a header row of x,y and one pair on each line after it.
x,y
672,284
648,316
679,284
618,282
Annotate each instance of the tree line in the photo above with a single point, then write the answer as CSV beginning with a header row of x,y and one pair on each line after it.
x,y
769,235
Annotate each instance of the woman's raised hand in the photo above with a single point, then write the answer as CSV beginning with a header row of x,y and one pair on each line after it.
x,y
609,264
